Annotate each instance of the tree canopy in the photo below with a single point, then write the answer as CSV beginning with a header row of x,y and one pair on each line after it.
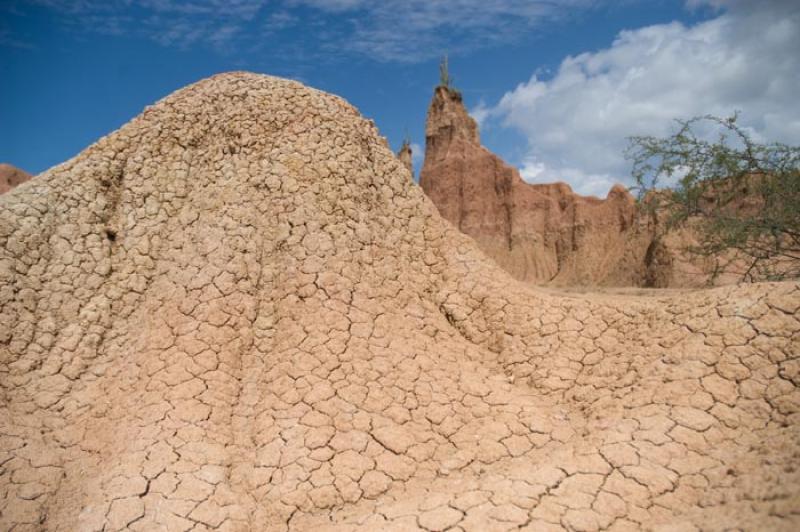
x,y
741,197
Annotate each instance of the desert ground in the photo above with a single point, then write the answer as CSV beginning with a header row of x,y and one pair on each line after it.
x,y
238,312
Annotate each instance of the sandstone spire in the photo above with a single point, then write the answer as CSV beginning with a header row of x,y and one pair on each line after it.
x,y
448,122
540,233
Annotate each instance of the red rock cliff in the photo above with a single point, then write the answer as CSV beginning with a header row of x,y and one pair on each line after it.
x,y
539,233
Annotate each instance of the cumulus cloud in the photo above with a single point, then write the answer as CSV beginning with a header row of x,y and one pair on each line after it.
x,y
417,154
481,113
576,123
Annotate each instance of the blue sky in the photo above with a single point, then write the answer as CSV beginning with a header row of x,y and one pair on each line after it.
x,y
74,70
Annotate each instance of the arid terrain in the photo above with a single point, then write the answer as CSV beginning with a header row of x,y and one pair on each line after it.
x,y
11,176
238,312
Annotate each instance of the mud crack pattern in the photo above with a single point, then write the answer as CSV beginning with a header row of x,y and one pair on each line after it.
x,y
238,312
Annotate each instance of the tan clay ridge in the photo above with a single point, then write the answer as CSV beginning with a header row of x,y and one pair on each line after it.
x,y
11,176
238,313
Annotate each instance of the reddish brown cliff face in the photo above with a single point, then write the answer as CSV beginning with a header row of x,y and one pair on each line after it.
x,y
540,233
11,176
545,233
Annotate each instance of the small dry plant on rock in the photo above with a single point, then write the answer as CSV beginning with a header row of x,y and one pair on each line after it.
x,y
445,79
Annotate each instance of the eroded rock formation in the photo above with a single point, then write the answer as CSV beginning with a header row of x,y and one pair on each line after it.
x,y
545,233
540,233
238,312
11,176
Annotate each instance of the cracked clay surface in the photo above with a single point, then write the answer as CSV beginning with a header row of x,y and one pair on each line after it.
x,y
238,313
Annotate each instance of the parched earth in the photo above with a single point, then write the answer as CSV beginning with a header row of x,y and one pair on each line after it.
x,y
238,312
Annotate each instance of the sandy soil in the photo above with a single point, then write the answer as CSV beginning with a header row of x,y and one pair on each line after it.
x,y
238,312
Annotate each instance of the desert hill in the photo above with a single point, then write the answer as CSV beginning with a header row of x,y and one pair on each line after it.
x,y
11,176
237,312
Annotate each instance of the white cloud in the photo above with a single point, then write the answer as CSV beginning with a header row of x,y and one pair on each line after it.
x,y
417,154
480,113
577,122
415,30
533,171
386,30
280,20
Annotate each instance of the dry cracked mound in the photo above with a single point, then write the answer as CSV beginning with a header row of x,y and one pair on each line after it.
x,y
11,176
238,312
